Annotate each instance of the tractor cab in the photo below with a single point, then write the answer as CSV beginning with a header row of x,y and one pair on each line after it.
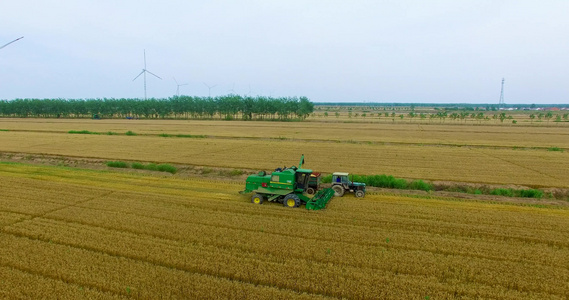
x,y
341,183
341,178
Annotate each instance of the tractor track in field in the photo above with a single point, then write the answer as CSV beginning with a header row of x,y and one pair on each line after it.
x,y
519,165
307,140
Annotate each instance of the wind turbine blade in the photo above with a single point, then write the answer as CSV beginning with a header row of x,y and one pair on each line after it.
x,y
175,80
144,58
12,42
138,75
154,74
206,85
183,84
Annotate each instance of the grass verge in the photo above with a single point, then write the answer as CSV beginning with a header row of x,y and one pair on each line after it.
x,y
82,132
136,165
555,149
117,164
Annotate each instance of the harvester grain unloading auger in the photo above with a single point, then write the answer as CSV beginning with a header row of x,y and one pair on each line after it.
x,y
286,186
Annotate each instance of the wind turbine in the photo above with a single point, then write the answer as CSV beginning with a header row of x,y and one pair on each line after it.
x,y
144,71
209,88
12,42
179,85
232,90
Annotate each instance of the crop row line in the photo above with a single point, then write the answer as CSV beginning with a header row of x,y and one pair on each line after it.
x,y
219,243
143,259
66,280
196,269
337,220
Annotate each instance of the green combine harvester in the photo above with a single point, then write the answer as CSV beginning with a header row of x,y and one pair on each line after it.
x,y
286,186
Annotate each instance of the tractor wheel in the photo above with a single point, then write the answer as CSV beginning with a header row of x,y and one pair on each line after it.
x,y
257,199
338,190
360,194
291,200
310,191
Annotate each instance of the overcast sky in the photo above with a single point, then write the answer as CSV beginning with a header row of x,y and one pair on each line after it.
x,y
329,51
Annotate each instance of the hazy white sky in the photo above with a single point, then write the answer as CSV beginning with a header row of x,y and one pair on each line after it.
x,y
337,51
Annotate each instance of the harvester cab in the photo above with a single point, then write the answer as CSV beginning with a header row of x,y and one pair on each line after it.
x,y
313,183
341,183
286,186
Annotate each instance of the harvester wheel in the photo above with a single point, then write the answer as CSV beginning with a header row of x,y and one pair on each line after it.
x,y
310,191
338,190
257,199
360,194
291,200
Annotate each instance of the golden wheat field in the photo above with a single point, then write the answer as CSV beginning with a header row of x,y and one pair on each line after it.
x,y
478,154
452,134
72,233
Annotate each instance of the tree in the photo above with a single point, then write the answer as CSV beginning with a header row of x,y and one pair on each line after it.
x,y
442,115
480,117
454,116
532,116
548,116
463,116
305,107
502,117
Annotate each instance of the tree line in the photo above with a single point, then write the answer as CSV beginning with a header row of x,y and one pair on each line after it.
x,y
228,107
442,115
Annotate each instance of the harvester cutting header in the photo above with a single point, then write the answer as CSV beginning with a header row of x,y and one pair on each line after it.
x,y
286,186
